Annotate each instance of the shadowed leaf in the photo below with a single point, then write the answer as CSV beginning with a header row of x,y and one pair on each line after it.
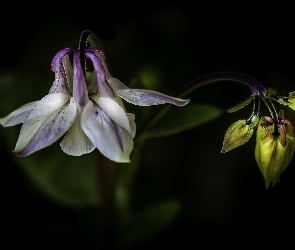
x,y
145,224
184,118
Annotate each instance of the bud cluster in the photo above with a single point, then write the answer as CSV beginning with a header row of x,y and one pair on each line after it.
x,y
275,141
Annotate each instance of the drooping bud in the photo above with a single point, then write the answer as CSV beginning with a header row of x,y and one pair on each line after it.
x,y
273,152
238,134
291,101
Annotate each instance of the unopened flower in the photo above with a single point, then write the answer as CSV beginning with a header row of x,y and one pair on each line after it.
x,y
291,100
287,100
88,115
238,134
274,150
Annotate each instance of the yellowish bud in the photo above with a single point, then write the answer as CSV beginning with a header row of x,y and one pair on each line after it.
x,y
291,102
236,135
273,152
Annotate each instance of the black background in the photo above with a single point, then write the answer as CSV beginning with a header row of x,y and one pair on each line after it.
x,y
255,40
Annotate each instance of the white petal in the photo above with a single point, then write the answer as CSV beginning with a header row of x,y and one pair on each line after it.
x,y
47,122
48,104
112,140
75,142
143,97
113,110
18,116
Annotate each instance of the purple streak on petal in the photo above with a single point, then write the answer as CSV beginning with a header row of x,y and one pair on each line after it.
x,y
56,61
117,131
143,97
18,116
100,54
113,141
53,128
149,97
103,87
80,92
113,110
60,84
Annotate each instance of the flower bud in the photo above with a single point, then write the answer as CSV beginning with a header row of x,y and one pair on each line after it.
x,y
291,101
236,135
273,152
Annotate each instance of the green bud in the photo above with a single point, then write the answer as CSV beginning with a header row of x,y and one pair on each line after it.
x,y
273,153
236,135
291,101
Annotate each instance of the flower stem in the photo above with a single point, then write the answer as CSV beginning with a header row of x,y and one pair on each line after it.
x,y
274,115
86,39
255,86
107,179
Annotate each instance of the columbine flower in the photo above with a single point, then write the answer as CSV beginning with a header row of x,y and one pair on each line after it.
x,y
274,150
90,115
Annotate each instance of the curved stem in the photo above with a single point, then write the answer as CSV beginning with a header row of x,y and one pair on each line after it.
x,y
256,107
273,113
83,44
256,89
255,111
87,39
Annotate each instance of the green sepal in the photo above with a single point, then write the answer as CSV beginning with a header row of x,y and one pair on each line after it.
x,y
240,105
291,101
254,121
281,101
270,92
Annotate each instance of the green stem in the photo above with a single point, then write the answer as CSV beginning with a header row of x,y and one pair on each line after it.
x,y
107,179
274,115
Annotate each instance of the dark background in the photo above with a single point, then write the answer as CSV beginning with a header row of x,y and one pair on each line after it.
x,y
224,199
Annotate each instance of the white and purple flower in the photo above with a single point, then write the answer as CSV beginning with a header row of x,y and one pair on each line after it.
x,y
88,115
